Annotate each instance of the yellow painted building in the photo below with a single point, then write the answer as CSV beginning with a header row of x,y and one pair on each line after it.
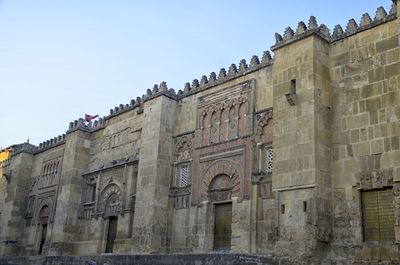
x,y
4,155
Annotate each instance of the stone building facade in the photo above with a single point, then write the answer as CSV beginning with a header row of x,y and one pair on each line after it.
x,y
296,155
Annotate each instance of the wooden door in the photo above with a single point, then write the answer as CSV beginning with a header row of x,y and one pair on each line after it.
x,y
378,215
111,234
222,227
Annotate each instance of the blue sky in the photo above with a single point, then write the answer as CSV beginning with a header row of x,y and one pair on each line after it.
x,y
62,59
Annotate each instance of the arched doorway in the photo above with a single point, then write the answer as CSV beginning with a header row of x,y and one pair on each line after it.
x,y
44,220
220,192
112,207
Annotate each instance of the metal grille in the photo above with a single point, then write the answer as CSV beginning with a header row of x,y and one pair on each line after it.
x,y
268,159
378,215
183,176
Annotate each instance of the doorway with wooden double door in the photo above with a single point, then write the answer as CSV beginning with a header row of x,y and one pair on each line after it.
x,y
223,227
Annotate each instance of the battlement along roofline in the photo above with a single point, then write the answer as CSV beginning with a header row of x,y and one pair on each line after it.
x,y
188,90
43,146
302,31
289,36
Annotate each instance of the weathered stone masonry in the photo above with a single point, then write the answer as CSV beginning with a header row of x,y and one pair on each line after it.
x,y
296,155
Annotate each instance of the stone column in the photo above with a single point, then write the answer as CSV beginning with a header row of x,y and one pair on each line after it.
x,y
151,209
75,161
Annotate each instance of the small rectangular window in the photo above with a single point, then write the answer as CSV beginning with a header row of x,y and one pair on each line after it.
x,y
293,86
282,209
268,159
93,191
183,180
304,206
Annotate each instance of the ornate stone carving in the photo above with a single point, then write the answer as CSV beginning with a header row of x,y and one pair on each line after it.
x,y
220,188
227,172
49,175
184,143
220,121
262,120
110,201
47,203
263,127
105,178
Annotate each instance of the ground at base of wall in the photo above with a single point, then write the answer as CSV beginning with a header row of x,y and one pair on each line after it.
x,y
152,259
176,259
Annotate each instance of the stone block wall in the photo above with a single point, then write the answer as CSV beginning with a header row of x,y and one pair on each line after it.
x,y
327,105
365,76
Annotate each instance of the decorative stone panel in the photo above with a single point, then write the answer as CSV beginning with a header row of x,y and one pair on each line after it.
x,y
42,203
264,126
224,116
181,197
182,169
110,201
224,167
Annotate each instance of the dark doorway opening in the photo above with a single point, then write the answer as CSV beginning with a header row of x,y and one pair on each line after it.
x,y
44,220
42,238
222,227
111,234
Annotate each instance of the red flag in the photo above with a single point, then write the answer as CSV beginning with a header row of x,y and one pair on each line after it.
x,y
88,117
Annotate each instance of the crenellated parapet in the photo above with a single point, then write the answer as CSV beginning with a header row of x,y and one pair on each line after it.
x,y
33,149
366,22
302,31
121,108
224,75
158,90
243,68
50,143
79,124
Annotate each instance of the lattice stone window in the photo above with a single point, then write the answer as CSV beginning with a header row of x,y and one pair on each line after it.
x,y
378,215
183,175
268,158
